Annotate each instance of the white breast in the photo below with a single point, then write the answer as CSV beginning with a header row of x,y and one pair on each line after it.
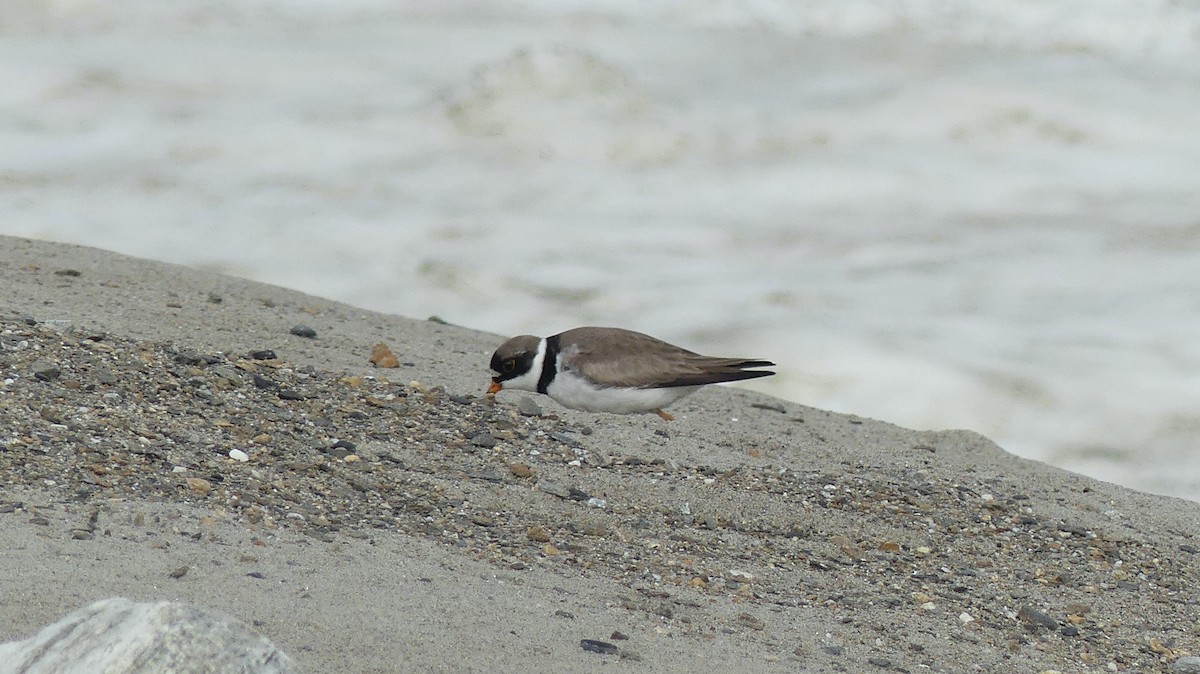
x,y
571,390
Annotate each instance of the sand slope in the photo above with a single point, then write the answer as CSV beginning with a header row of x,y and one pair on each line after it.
x,y
748,535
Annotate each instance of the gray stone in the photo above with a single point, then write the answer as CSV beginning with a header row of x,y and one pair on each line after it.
x,y
118,635
1187,665
529,407
554,489
45,370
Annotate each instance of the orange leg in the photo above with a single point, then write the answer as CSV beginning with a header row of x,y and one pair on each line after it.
x,y
664,415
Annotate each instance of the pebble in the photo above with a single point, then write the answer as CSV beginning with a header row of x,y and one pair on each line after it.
x,y
539,534
303,331
199,485
529,407
1186,665
565,439
1033,616
601,647
382,356
239,455
228,374
44,370
521,470
262,354
751,621
485,440
554,489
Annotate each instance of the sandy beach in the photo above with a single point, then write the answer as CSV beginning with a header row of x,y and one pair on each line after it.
x,y
394,520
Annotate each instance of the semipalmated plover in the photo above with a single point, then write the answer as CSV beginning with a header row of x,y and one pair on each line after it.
x,y
611,370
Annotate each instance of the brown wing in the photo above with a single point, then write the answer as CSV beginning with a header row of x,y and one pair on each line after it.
x,y
616,357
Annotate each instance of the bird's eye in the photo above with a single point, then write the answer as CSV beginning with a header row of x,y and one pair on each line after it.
x,y
510,365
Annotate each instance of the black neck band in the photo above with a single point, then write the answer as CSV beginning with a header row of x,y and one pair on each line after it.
x,y
549,364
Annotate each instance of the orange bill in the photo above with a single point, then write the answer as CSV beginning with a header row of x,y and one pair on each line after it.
x,y
494,388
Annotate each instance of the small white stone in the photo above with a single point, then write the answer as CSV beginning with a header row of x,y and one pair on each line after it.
x,y
239,455
741,576
597,502
965,618
179,469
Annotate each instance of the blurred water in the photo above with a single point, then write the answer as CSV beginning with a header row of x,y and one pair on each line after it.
x,y
980,214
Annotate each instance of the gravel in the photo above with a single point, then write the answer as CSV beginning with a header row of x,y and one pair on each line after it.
x,y
894,554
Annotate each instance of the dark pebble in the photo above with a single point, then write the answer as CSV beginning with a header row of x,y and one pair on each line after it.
x,y
262,354
50,414
553,489
832,649
39,520
1033,616
303,331
68,272
1074,530
565,439
228,374
262,382
601,647
564,614
751,621
193,358
179,573
343,444
256,574
483,440
290,394
1069,631
772,408
214,298
44,370
618,636
576,494
461,399
880,662
11,506
82,535
1191,550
